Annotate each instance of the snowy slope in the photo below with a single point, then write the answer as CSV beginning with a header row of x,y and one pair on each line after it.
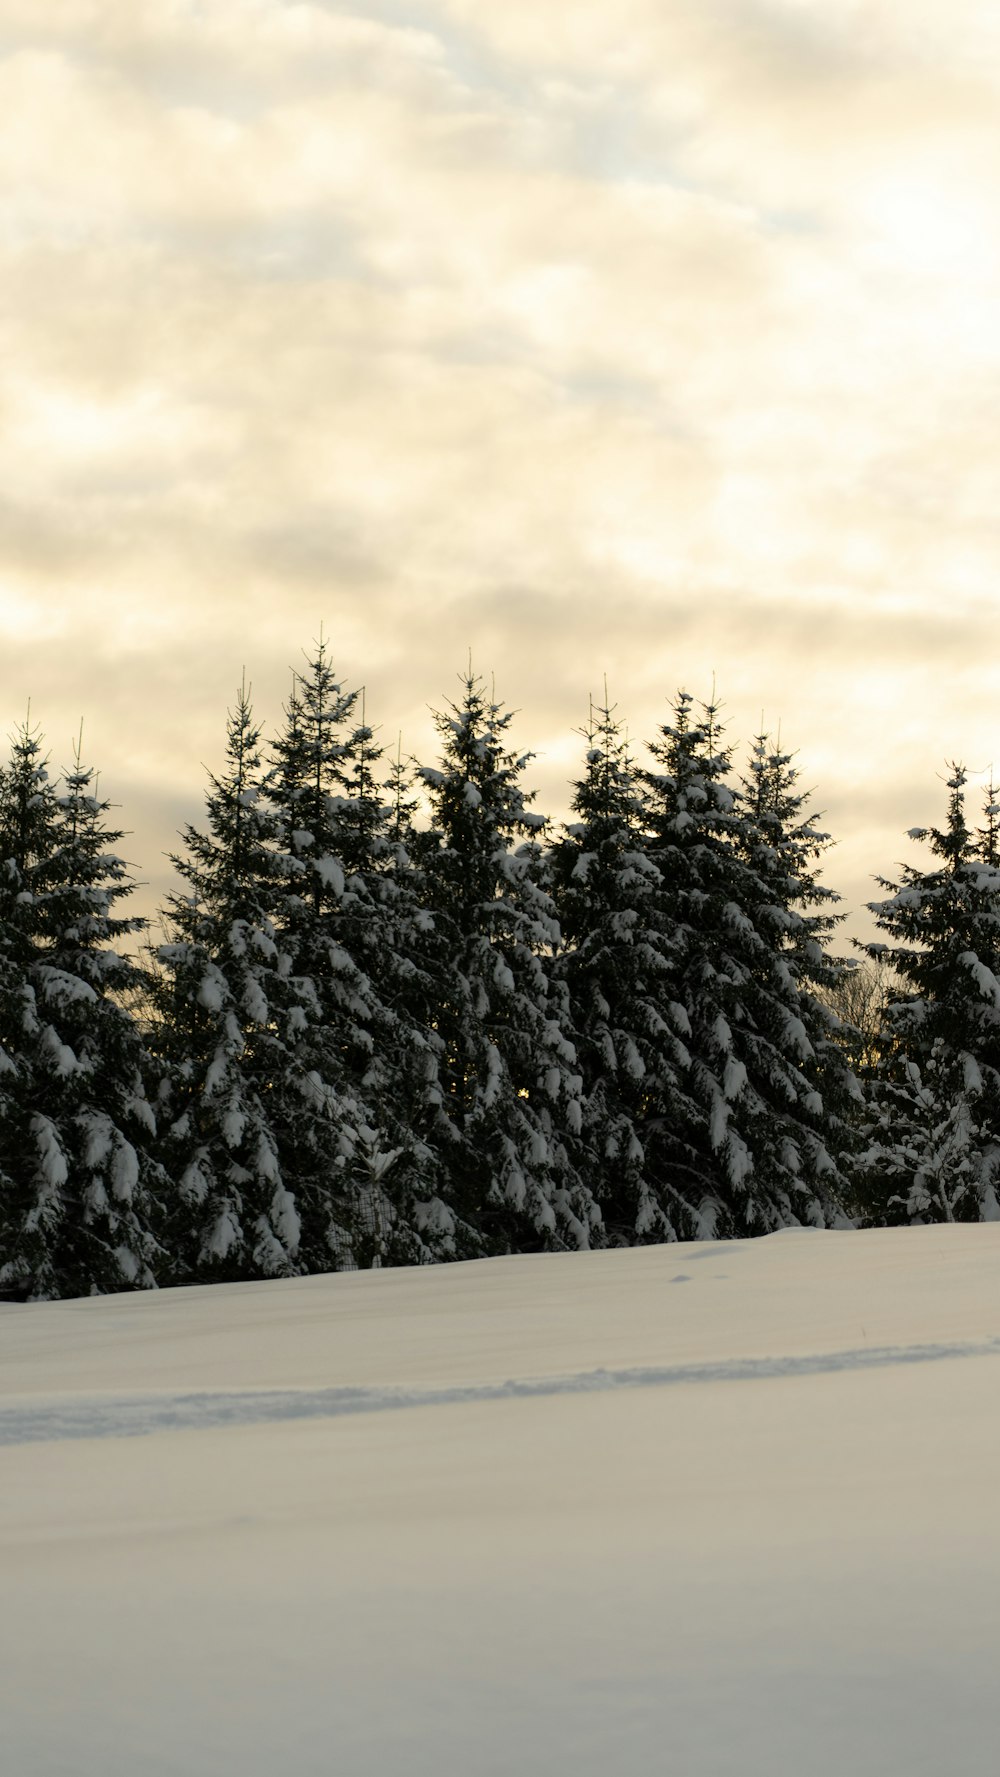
x,y
703,1509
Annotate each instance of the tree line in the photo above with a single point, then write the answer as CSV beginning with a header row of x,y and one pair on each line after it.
x,y
396,1018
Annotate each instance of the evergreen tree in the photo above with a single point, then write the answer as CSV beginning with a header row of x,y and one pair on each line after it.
x,y
508,1066
333,1149
616,963
229,1015
934,1138
366,953
783,845
742,1143
79,1193
390,932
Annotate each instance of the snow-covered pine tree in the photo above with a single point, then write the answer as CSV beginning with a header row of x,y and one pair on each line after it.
x,y
508,1065
400,1212
80,1193
783,844
742,1148
933,1152
229,1015
364,951
616,962
333,1144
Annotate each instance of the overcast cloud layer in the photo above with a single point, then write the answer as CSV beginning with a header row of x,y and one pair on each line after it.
x,y
652,339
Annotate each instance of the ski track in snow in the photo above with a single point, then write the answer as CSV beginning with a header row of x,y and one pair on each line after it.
x,y
130,1416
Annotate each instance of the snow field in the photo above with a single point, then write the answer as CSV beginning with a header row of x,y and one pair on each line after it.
x,y
752,1568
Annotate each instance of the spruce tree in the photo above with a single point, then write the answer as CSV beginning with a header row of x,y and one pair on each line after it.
x,y
783,844
933,1152
365,953
229,1015
331,1144
508,1065
742,1144
615,960
387,928
80,1195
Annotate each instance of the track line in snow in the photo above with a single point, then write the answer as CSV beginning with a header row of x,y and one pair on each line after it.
x,y
130,1416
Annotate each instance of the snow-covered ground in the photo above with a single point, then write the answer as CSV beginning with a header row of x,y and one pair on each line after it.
x,y
695,1510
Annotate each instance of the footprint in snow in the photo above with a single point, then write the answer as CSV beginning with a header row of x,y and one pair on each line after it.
x,y
681,1277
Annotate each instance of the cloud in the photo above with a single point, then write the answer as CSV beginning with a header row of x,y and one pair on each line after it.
x,y
655,339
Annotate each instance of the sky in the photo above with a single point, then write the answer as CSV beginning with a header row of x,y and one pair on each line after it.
x,y
657,340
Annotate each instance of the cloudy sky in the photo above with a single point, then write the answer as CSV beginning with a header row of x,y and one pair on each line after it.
x,y
654,338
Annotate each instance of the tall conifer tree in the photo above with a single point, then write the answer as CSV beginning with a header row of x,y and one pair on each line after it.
x,y
330,1140
396,941
616,962
79,1198
229,1015
508,1062
784,845
934,1148
743,1142
367,952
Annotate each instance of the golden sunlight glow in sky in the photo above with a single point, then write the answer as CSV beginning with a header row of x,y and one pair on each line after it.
x,y
657,339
